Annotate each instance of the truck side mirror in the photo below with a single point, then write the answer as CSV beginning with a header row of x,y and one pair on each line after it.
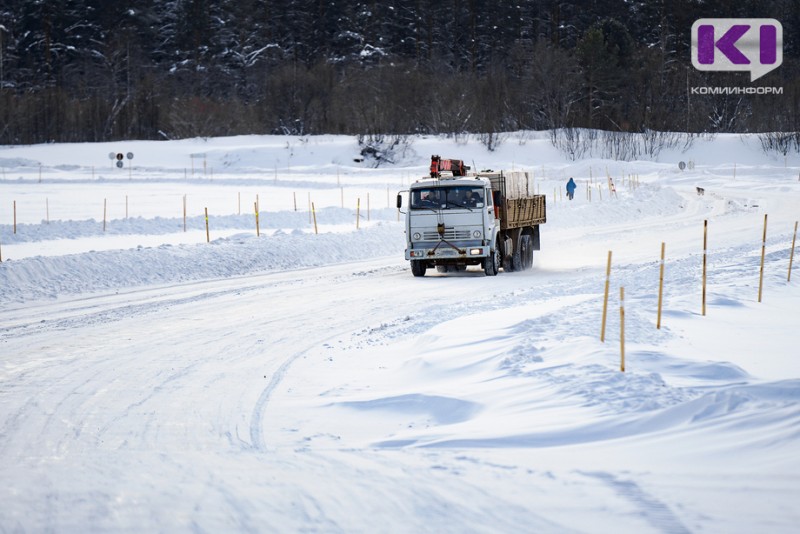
x,y
399,201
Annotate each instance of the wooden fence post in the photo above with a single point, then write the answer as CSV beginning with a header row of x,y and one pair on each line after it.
x,y
660,286
258,230
622,329
605,300
705,248
791,255
314,214
358,212
208,235
763,252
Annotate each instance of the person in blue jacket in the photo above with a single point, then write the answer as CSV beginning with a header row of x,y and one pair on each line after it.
x,y
571,186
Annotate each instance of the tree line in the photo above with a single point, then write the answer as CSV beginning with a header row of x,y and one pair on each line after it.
x,y
100,70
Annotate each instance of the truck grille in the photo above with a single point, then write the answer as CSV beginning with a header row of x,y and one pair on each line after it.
x,y
449,234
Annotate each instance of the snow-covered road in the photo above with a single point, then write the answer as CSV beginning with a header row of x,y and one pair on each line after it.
x,y
281,384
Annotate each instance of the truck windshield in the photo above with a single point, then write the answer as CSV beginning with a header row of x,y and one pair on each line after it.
x,y
447,197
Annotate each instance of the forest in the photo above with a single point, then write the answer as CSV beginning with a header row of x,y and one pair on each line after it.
x,y
102,70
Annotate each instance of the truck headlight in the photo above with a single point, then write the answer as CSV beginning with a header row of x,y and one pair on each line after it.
x,y
476,234
475,252
417,236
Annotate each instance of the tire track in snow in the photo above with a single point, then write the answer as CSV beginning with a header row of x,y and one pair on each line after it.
x,y
656,512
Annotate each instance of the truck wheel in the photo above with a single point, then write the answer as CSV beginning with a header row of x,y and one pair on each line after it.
x,y
418,268
526,252
491,264
517,258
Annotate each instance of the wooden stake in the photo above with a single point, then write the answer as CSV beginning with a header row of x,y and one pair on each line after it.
x,y
791,255
763,252
314,214
294,196
184,213
358,211
705,247
660,286
208,235
258,230
605,300
622,329
105,210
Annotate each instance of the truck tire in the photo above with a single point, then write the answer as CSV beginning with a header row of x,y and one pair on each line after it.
x,y
525,252
491,264
517,258
418,267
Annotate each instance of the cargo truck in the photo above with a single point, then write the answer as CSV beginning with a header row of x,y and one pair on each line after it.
x,y
456,218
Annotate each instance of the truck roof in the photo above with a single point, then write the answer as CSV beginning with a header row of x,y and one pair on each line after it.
x,y
450,181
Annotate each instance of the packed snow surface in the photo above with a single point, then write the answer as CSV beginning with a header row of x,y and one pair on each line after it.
x,y
161,374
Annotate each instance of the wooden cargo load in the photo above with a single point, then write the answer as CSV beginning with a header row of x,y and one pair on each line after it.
x,y
518,205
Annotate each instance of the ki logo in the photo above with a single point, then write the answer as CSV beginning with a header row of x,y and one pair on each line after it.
x,y
754,45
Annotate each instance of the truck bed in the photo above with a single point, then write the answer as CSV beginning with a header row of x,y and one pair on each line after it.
x,y
519,207
526,211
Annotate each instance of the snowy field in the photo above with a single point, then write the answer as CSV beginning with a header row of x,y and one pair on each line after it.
x,y
303,380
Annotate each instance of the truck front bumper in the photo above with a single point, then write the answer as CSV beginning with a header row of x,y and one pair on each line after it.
x,y
430,251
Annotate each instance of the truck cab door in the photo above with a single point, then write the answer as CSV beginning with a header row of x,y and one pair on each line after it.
x,y
496,203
